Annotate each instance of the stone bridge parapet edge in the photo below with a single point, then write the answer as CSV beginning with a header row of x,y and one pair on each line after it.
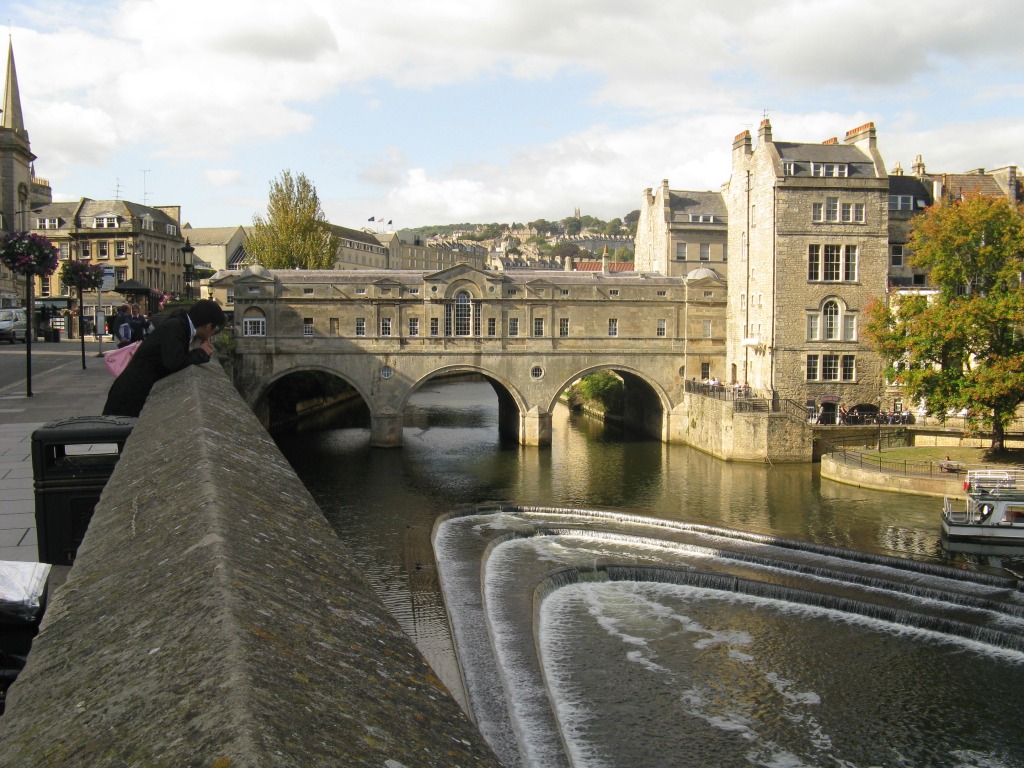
x,y
213,618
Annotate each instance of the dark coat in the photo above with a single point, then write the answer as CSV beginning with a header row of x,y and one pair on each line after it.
x,y
163,352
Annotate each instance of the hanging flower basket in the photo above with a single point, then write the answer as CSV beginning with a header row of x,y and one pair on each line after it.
x,y
81,275
28,254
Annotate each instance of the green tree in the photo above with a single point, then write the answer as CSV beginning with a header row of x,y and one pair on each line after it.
x,y
295,233
571,225
963,346
630,221
613,227
623,254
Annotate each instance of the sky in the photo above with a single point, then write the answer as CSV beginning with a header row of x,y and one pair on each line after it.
x,y
481,111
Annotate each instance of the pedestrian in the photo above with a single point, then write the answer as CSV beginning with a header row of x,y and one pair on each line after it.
x,y
138,323
168,349
122,328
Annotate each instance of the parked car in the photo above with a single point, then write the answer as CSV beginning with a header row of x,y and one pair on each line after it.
x,y
13,325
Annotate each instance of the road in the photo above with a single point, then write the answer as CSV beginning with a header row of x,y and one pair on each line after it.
x,y
45,356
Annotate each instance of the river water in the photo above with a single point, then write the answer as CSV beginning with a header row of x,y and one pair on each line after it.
x,y
649,668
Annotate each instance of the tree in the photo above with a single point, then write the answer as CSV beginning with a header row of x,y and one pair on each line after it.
x,y
295,233
962,346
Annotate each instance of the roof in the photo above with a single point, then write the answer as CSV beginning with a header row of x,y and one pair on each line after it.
x,y
802,154
210,235
910,185
597,266
357,235
684,203
518,277
964,183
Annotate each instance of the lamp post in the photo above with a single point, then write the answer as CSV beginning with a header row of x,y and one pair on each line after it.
x,y
189,260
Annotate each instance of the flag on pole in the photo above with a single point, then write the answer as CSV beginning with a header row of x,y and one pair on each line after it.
x,y
371,219
389,222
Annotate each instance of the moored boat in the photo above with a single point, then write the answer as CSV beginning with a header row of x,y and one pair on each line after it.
x,y
992,508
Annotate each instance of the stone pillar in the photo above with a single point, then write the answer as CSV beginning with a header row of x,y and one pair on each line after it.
x,y
535,428
386,429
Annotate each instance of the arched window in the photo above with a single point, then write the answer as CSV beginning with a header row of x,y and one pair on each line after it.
x,y
830,317
254,322
463,314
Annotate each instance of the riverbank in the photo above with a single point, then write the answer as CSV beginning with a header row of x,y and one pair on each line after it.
x,y
924,471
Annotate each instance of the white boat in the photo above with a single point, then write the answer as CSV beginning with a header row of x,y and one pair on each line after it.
x,y
992,509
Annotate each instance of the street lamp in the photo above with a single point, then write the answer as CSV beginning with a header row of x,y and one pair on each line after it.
x,y
189,253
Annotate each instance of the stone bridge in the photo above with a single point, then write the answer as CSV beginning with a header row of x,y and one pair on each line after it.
x,y
531,334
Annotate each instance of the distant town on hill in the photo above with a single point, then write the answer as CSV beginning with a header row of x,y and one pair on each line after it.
x,y
570,236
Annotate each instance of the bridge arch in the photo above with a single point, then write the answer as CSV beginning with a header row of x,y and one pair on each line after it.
x,y
261,399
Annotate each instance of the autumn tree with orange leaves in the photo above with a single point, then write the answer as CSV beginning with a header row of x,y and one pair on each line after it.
x,y
961,345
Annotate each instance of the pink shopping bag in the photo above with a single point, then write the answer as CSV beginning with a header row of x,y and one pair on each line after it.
x,y
117,359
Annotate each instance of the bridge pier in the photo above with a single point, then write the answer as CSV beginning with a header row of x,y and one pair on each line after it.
x,y
535,427
386,429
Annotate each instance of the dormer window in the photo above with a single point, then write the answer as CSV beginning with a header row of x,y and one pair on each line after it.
x,y
835,170
172,229
703,218
147,222
49,223
105,222
789,168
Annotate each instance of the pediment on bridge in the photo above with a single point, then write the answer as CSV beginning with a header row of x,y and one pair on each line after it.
x,y
387,282
254,274
462,272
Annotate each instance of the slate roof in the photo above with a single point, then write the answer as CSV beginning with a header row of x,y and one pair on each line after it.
x,y
683,203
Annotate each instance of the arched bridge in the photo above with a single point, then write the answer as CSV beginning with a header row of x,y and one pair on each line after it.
x,y
530,334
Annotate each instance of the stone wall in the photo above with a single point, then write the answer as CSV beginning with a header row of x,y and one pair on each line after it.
x,y
213,618
713,426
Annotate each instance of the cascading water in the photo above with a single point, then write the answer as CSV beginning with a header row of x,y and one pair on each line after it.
x,y
589,629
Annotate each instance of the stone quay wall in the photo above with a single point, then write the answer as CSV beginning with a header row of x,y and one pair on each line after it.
x,y
714,426
213,618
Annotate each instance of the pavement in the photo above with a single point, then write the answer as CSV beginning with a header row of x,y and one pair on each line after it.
x,y
61,392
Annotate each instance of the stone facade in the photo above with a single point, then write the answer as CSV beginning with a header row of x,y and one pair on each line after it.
x,y
679,231
810,230
20,189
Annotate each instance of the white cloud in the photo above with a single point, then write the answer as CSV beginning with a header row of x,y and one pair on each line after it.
x,y
224,177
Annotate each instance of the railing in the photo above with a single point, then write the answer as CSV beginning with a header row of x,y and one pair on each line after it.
x,y
851,451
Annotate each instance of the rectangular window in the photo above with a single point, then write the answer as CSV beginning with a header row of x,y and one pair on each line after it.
x,y
849,368
613,292
680,251
563,326
705,251
788,167
538,326
492,326
385,326
360,326
850,263
847,211
896,255
414,326
814,262
307,326
901,202
830,367
513,326
705,371
850,327
812,368
813,327
743,299
254,326
832,258
817,211
613,326
435,326
44,285
725,251
335,325
858,212
101,249
831,209
65,250
86,247
662,328
564,291
121,274
706,328
663,293
119,249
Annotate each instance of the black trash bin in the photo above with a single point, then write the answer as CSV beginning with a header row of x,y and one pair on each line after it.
x,y
72,459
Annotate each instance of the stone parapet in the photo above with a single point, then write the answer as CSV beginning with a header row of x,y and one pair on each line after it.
x,y
213,618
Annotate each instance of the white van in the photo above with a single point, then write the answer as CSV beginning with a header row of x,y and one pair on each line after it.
x,y
13,325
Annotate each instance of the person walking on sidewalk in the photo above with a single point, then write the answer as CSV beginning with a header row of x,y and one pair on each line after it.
x,y
183,339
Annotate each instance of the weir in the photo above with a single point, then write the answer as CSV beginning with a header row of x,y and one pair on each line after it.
x,y
212,617
504,568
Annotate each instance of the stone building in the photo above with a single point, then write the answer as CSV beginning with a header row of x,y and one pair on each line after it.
x,y
810,234
410,250
20,189
140,243
679,231
220,247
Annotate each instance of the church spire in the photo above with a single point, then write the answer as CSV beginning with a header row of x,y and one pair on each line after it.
x,y
12,118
